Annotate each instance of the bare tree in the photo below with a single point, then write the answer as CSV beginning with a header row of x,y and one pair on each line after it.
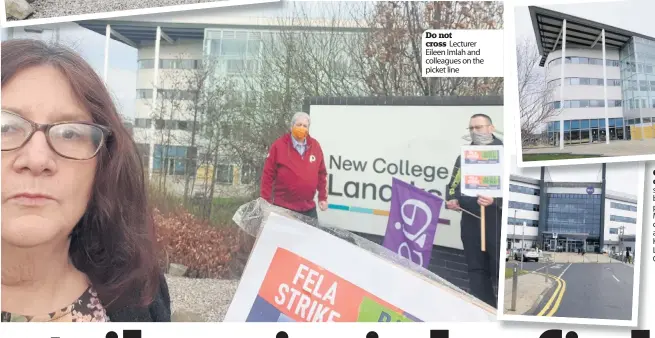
x,y
391,62
534,93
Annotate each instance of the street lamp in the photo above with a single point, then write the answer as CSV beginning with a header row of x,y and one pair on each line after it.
x,y
621,232
514,234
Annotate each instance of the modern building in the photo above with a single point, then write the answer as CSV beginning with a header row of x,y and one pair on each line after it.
x,y
569,216
605,88
169,44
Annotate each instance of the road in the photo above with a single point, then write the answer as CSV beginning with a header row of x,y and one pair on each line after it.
x,y
591,290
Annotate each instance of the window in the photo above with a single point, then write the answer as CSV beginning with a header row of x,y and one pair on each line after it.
x,y
247,174
142,123
144,93
521,221
623,219
614,231
159,124
524,206
224,173
182,125
524,190
233,47
170,63
621,206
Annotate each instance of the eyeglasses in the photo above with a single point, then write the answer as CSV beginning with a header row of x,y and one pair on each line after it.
x,y
71,140
477,128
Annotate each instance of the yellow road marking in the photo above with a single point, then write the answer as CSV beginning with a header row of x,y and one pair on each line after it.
x,y
559,300
552,298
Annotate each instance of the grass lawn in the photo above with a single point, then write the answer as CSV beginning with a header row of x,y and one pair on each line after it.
x,y
508,272
550,157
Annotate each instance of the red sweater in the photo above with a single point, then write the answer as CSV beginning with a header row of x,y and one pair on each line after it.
x,y
290,180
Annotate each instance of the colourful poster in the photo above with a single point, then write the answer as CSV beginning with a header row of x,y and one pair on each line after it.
x,y
478,182
481,170
481,157
297,290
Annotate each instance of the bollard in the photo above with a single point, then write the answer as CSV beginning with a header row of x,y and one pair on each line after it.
x,y
546,275
515,281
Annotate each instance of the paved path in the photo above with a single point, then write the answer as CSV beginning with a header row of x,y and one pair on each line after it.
x,y
615,148
531,289
594,291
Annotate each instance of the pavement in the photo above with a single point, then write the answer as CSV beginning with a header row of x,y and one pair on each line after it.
x,y
58,8
614,148
531,290
584,290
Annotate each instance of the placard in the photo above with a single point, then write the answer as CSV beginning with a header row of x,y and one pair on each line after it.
x,y
297,272
482,171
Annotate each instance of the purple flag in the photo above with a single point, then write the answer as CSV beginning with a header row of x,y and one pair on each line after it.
x,y
412,222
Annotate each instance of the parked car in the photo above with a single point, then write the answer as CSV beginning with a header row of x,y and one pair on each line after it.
x,y
527,255
507,254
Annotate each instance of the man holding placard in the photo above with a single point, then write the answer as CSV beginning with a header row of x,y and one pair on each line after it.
x,y
477,196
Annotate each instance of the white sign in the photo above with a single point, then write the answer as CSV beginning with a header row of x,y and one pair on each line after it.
x,y
482,171
299,273
366,146
463,53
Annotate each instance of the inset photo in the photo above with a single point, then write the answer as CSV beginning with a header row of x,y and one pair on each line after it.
x,y
31,12
586,83
573,244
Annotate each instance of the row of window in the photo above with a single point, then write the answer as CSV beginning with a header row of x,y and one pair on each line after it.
x,y
166,94
574,196
636,103
622,206
584,104
583,81
524,206
523,190
584,61
172,160
520,221
623,219
584,124
166,124
170,64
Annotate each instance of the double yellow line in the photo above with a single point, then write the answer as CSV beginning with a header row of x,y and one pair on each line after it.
x,y
555,300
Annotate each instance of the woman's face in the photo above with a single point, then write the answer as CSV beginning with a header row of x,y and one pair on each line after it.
x,y
44,195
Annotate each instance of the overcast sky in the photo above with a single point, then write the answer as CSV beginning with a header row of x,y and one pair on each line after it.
x,y
631,15
621,177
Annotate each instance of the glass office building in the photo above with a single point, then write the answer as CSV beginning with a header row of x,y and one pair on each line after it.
x,y
601,79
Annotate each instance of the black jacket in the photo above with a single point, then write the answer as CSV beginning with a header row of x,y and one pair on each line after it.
x,y
470,203
158,311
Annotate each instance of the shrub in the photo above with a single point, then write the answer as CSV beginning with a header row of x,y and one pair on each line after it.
x,y
208,251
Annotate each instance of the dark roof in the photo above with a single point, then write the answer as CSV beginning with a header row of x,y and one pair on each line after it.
x,y
580,33
133,33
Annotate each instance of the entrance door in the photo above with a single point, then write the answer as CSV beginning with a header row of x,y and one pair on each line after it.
x,y
612,133
619,133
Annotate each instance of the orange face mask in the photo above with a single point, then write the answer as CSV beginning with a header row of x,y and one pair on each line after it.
x,y
299,133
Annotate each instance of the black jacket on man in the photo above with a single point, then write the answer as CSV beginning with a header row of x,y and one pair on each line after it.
x,y
483,266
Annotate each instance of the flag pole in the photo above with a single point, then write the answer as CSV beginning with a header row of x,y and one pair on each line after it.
x,y
483,239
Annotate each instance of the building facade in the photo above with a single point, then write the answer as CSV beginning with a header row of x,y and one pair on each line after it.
x,y
570,216
601,79
235,47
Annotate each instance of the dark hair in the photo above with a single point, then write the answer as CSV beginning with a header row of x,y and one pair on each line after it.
x,y
114,242
483,115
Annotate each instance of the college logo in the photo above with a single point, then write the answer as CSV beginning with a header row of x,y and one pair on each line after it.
x,y
590,190
312,158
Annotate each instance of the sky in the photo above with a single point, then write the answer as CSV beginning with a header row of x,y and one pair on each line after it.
x,y
621,177
631,15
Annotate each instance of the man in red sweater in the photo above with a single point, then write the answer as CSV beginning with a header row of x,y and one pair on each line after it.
x,y
294,170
